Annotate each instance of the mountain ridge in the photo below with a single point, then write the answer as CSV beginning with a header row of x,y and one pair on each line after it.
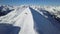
x,y
32,21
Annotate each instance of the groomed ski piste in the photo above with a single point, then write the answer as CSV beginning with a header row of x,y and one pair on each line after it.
x,y
28,20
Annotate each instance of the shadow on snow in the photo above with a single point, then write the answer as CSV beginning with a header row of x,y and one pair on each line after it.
x,y
44,25
9,29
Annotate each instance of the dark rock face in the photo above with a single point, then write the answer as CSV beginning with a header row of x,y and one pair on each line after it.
x,y
3,12
58,19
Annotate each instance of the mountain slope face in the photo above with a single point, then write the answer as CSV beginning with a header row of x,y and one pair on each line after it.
x,y
54,11
45,25
5,10
23,19
27,20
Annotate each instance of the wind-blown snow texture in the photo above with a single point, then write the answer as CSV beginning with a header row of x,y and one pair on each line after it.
x,y
29,20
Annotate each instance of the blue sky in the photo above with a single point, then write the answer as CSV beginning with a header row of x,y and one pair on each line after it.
x,y
30,2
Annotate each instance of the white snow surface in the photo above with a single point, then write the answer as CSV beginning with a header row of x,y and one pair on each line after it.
x,y
32,20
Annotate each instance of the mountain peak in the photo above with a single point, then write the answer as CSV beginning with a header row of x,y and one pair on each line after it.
x,y
31,21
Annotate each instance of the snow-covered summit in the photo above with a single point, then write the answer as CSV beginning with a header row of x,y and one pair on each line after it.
x,y
30,20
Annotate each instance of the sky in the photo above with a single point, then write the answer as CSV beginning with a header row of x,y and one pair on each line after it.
x,y
30,2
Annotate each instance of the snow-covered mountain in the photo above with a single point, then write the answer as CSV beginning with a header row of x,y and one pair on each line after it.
x,y
29,20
